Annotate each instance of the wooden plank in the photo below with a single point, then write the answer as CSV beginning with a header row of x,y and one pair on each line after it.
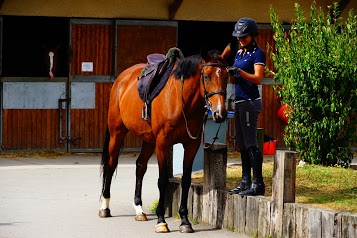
x,y
314,223
289,222
5,126
220,207
264,205
197,202
252,214
240,213
175,189
349,225
328,223
92,43
301,216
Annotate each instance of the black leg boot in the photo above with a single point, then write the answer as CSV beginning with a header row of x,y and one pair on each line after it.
x,y
258,186
246,177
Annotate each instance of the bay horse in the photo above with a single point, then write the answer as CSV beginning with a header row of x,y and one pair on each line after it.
x,y
196,84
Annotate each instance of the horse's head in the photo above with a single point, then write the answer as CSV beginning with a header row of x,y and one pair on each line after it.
x,y
214,76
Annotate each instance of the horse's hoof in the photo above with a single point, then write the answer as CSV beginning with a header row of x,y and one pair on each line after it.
x,y
104,213
141,217
161,228
186,229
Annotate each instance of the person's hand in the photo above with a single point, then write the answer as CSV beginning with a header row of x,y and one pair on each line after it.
x,y
232,71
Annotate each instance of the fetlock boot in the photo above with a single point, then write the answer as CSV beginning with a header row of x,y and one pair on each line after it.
x,y
257,187
246,177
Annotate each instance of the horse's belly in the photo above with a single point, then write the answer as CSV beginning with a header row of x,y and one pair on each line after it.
x,y
135,124
141,129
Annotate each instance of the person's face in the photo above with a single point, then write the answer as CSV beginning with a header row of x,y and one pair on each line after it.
x,y
245,40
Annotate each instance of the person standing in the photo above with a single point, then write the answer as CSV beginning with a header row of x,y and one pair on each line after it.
x,y
247,73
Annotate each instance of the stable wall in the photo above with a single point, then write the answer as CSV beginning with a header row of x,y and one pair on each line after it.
x,y
195,10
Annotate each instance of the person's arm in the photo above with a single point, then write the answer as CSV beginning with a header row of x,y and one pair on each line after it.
x,y
255,78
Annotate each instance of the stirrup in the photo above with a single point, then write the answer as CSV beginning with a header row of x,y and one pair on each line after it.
x,y
144,112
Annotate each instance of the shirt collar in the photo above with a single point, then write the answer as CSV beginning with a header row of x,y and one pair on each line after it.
x,y
250,49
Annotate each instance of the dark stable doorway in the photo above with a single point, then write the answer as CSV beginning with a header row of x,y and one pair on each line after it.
x,y
27,42
196,36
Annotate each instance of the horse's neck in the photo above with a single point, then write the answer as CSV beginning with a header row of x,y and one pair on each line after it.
x,y
192,95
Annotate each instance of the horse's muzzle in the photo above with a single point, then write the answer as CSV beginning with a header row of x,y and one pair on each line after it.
x,y
219,116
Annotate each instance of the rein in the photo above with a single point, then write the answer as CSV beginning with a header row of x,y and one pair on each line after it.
x,y
207,106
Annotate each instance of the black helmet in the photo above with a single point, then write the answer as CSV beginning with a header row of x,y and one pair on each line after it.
x,y
245,26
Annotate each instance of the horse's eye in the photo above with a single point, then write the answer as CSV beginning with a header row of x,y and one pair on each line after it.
x,y
206,77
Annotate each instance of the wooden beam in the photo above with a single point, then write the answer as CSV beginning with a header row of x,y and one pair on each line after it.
x,y
174,6
343,4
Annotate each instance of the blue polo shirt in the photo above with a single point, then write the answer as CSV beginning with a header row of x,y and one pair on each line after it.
x,y
244,89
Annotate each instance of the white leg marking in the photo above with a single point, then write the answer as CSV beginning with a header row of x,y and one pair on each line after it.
x,y
138,209
105,203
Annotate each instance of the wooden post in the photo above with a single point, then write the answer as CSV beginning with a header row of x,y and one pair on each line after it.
x,y
215,166
283,189
214,172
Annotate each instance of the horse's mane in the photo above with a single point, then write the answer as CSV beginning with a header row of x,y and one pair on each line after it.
x,y
187,67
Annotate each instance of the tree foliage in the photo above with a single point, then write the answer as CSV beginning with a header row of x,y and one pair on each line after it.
x,y
316,63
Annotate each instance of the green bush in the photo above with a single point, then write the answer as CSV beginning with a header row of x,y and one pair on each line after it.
x,y
316,63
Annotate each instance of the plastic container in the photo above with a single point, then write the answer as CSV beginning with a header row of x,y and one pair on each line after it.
x,y
269,147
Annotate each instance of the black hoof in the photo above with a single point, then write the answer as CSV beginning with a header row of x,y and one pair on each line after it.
x,y
186,229
104,213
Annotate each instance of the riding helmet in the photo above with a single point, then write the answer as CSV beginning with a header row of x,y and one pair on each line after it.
x,y
245,26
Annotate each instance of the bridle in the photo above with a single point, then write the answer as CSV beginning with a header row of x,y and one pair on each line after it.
x,y
210,94
208,103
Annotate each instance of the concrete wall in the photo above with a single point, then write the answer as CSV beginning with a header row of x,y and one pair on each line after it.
x,y
197,10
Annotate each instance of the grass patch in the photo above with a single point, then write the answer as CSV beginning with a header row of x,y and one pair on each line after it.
x,y
153,206
330,187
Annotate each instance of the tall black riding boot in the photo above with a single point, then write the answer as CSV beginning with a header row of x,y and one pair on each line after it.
x,y
256,159
246,177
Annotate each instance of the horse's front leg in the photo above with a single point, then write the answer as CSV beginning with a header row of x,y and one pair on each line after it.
x,y
163,154
141,166
189,155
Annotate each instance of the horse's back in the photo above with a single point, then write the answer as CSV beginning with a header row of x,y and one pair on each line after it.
x,y
125,104
125,81
128,75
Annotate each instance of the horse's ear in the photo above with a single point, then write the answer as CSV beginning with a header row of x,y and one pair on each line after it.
x,y
226,52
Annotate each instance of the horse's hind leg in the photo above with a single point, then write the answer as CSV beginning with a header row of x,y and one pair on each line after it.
x,y
147,150
111,149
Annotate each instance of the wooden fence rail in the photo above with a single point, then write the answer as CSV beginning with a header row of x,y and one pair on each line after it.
x,y
259,216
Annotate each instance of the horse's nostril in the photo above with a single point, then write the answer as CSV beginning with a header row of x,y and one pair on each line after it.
x,y
217,116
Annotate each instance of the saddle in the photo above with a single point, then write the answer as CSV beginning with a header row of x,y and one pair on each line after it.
x,y
154,76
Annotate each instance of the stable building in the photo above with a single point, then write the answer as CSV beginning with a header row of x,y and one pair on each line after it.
x,y
60,58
